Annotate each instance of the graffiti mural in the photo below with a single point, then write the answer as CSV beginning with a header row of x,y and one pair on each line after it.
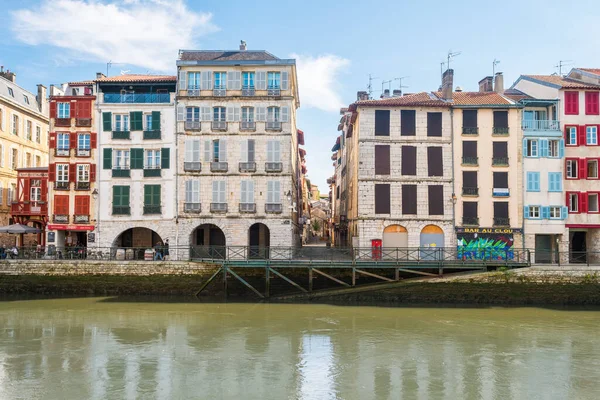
x,y
485,244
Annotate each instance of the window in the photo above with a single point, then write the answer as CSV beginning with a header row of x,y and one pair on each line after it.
x,y
469,121
500,153
571,103
531,148
248,80
193,80
83,172
573,202
152,199
409,199
38,161
192,114
408,123
434,124
592,169
38,134
554,181
273,114
591,135
192,151
533,182
10,91
248,151
554,148
247,114
26,99
29,133
382,122
35,193
121,200
273,151
82,205
121,159
555,212
121,122
1,193
152,159
247,192
500,181
192,192
219,114
382,199
83,141
274,80
534,212
501,121
14,158
273,192
64,110
148,122
12,191
220,80
591,103
1,156
15,124
572,168
62,172
436,199
501,212
382,160
1,119
469,152
571,135
61,204
470,215
435,162
409,160
62,142
216,151
28,160
592,202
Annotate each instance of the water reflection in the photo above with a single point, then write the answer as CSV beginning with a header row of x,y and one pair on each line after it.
x,y
86,348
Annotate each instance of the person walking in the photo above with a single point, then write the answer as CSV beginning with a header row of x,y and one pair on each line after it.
x,y
166,250
158,252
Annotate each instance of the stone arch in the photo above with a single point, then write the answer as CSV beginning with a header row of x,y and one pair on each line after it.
x,y
432,236
208,240
133,242
259,240
395,236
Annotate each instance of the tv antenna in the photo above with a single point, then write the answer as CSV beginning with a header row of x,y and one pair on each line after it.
x,y
383,84
451,55
496,62
563,63
442,68
110,64
400,79
370,85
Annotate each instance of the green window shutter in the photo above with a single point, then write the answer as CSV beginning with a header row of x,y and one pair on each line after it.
x,y
156,195
137,158
107,158
165,158
116,195
148,195
156,120
106,121
152,195
136,120
125,195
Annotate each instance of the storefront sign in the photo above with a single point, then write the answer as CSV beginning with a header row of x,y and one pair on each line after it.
x,y
71,227
489,230
498,192
51,237
91,237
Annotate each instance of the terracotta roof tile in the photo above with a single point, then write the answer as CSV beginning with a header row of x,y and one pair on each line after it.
x,y
226,55
478,99
595,71
562,82
138,78
516,95
423,99
81,83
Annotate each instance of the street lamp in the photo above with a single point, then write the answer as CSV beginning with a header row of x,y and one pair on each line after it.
x,y
289,195
95,194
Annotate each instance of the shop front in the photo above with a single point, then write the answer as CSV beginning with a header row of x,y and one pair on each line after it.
x,y
70,238
486,243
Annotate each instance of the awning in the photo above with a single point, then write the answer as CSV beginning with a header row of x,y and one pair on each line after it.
x,y
18,229
71,227
334,156
336,147
300,137
302,152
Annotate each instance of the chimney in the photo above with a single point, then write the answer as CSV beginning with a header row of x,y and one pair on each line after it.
x,y
100,75
447,84
486,84
242,45
41,98
11,76
362,95
458,89
397,93
499,83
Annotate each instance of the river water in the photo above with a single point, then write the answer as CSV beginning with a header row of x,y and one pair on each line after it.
x,y
102,348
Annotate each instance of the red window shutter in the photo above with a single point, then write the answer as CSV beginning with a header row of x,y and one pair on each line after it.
x,y
72,140
53,109
26,192
591,103
44,196
52,172
572,103
61,204
85,109
581,135
82,205
583,202
93,139
72,172
92,172
52,140
582,164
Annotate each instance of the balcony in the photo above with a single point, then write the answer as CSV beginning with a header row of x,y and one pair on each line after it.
x,y
470,160
152,135
220,91
247,126
121,210
473,221
273,167
192,166
62,185
247,167
470,130
62,152
273,91
247,207
219,126
501,221
500,161
273,126
540,125
470,191
121,173
81,219
192,207
151,209
193,91
60,219
192,125
120,135
500,192
218,166
29,208
248,91
82,186
218,207
152,172
137,98
84,152
500,131
86,122
274,208
62,122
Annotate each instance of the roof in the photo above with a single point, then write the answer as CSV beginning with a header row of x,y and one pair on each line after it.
x,y
478,99
559,81
225,55
422,99
516,95
595,71
138,78
81,83
19,96
40,169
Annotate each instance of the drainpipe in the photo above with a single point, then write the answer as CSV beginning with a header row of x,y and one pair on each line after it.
x,y
176,168
452,168
99,156
520,162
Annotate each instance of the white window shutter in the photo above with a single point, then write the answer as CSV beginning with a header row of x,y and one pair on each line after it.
x,y
206,114
188,151
196,151
180,112
206,80
284,114
215,191
244,190
229,114
270,192
250,150
250,191
222,196
237,112
276,151
261,80
230,80
270,145
182,79
244,153
196,191
284,80
261,114
237,80
189,186
223,150
277,192
207,150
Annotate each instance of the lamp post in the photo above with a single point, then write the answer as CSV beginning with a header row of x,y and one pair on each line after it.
x,y
95,197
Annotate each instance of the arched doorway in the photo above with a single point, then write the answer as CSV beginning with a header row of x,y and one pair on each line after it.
x,y
208,241
395,236
138,240
432,239
259,240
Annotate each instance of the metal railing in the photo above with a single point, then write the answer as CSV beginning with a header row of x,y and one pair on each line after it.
x,y
192,207
219,126
29,208
273,167
219,166
470,130
500,161
248,91
273,208
541,125
470,160
247,207
193,91
121,135
87,122
151,209
151,135
83,152
501,221
62,185
193,125
121,210
273,126
60,218
137,98
273,92
192,166
62,152
500,130
218,207
81,219
471,221
470,191
220,91
153,172
247,125
62,122
247,167
121,173
82,185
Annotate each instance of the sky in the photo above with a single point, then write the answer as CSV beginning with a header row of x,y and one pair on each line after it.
x,y
336,44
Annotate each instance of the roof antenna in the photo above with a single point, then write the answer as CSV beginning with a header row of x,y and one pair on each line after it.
x,y
370,85
400,79
451,55
563,63
496,62
110,64
383,84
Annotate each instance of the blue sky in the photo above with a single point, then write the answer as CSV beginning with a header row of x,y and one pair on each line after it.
x,y
337,44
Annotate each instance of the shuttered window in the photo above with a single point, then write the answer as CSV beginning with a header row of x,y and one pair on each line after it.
x,y
382,199
500,209
500,150
501,180
248,151
82,205
409,199
469,118
500,119
151,195
192,191
382,160
382,122
120,196
533,181
136,121
571,103
436,199
273,192
408,123
435,162
469,181
434,124
192,150
218,194
247,192
273,151
470,210
409,160
61,204
554,181
591,103
469,149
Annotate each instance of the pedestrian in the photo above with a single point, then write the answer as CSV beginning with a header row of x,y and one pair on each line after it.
x,y
158,255
14,252
166,249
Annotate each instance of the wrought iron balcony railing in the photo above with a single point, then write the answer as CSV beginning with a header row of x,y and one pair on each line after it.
x,y
152,135
62,185
247,125
540,125
247,207
248,91
192,125
137,98
470,130
83,152
247,167
274,91
219,166
496,130
62,122
120,135
193,91
151,209
501,221
86,122
474,221
273,167
121,173
192,207
82,186
192,166
151,172
500,161
273,126
219,126
273,208
470,191
218,207
220,91
470,160
60,218
81,219
62,152
121,210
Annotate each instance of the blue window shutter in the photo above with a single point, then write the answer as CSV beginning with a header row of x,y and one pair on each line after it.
x,y
551,182
526,212
529,181
543,150
545,212
561,148
537,181
564,212
524,147
558,180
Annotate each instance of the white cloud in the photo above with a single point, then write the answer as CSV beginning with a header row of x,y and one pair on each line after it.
x,y
146,33
318,80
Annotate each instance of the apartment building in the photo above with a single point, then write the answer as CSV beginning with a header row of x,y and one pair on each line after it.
x,y
30,204
238,160
135,119
23,139
72,191
576,96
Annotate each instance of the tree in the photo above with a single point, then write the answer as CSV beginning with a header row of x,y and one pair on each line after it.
x,y
316,225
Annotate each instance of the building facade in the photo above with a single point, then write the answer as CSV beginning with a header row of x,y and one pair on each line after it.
x,y
238,160
23,139
30,205
72,165
135,119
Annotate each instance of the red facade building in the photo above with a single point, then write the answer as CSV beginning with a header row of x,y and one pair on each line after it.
x,y
30,206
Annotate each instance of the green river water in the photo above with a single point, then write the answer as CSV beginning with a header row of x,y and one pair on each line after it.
x,y
102,348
